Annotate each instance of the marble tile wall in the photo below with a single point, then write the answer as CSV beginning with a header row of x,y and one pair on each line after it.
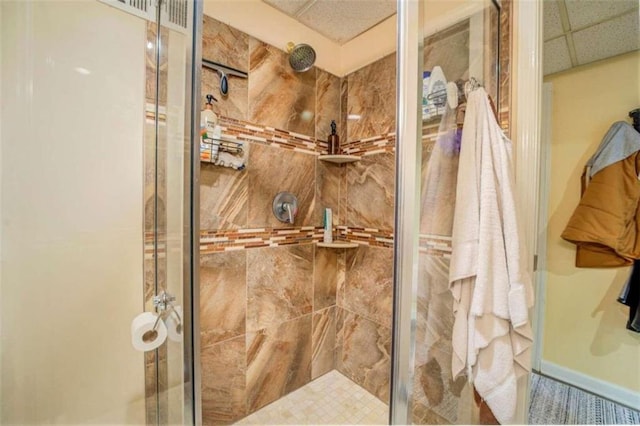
x,y
367,290
366,210
278,361
371,94
370,191
273,170
364,352
328,90
268,325
364,319
438,398
276,97
279,96
286,312
279,285
225,45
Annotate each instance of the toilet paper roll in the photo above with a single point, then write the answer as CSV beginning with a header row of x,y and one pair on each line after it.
x,y
174,324
143,336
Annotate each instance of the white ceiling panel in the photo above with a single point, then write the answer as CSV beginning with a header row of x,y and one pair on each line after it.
x,y
606,39
552,23
342,20
587,12
338,20
556,56
290,7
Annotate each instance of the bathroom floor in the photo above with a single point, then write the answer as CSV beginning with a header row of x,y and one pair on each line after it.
x,y
330,399
555,403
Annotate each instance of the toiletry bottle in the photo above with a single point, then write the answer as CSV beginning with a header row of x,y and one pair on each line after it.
x,y
327,235
208,125
334,140
208,118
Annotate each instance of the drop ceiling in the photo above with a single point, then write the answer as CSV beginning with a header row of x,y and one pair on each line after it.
x,y
338,20
578,32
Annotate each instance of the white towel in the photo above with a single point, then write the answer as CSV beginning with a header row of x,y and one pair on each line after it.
x,y
489,275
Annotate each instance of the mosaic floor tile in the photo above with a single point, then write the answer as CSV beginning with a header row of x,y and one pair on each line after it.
x,y
331,399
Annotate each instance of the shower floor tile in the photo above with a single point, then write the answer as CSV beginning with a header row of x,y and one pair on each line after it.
x,y
329,400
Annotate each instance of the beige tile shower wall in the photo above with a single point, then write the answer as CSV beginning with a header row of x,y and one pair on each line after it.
x,y
274,96
366,200
268,315
268,325
371,94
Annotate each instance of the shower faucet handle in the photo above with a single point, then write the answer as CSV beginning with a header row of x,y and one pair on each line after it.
x,y
289,209
285,207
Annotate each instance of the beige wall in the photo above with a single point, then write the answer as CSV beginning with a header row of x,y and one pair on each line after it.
x,y
584,325
71,191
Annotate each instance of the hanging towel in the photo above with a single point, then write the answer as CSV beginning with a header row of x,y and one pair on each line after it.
x,y
439,177
489,277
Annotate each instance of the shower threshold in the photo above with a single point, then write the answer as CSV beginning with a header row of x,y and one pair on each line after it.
x,y
331,399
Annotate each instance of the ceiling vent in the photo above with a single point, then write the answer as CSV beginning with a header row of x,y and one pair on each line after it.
x,y
174,14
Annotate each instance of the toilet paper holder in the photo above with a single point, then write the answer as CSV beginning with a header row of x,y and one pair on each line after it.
x,y
163,302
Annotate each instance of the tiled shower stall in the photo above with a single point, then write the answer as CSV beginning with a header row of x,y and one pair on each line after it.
x,y
276,310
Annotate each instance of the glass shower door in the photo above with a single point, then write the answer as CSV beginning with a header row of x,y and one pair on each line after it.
x,y
168,206
95,199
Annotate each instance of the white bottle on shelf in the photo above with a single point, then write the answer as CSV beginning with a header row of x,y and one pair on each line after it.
x,y
328,226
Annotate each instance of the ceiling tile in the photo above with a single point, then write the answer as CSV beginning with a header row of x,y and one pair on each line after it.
x,y
556,56
551,19
583,13
609,38
290,7
342,20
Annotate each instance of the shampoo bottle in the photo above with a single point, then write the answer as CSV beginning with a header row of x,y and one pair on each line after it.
x,y
208,118
334,140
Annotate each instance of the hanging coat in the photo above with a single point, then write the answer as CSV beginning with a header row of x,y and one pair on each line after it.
x,y
488,275
605,224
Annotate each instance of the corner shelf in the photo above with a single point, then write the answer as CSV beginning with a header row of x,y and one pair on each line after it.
x,y
337,245
339,159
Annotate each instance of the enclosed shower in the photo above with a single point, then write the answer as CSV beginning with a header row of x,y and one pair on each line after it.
x,y
146,148
295,329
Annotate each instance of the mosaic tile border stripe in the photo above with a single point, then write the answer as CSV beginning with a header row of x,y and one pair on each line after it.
x,y
435,245
150,113
243,131
366,236
372,145
242,239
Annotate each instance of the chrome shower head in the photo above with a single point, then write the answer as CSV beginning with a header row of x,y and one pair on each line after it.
x,y
301,56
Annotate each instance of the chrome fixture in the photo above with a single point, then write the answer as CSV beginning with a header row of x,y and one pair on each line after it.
x,y
224,72
163,302
285,207
301,56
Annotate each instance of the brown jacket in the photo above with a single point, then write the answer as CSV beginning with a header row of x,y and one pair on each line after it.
x,y
606,224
